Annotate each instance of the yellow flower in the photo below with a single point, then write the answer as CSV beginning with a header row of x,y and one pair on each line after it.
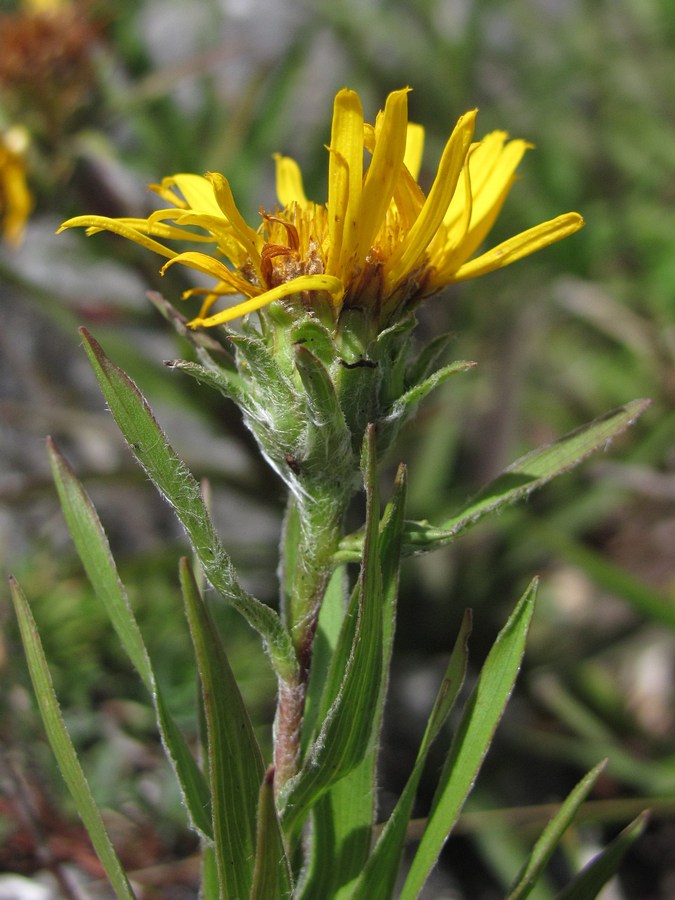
x,y
15,199
379,243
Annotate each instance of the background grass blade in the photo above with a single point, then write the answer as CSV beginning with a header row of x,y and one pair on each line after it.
x,y
234,760
550,837
93,549
63,749
589,882
152,450
479,720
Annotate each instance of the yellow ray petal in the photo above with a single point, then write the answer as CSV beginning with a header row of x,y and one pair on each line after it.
x,y
94,224
409,199
345,174
414,149
521,245
491,180
198,192
156,225
243,233
430,218
289,182
326,283
202,262
382,174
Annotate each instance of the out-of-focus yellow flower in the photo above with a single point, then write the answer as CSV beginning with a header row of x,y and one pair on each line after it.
x,y
16,200
47,77
379,243
42,7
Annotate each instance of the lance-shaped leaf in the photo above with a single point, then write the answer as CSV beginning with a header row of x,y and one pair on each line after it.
x,y
378,878
271,874
228,383
235,764
313,335
62,746
424,363
529,473
593,877
353,683
517,481
542,851
329,440
152,450
343,819
405,404
276,390
480,718
93,549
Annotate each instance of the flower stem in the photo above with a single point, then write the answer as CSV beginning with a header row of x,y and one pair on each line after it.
x,y
312,531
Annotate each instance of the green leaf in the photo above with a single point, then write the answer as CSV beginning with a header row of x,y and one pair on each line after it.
x,y
517,481
527,474
254,356
403,406
316,338
353,684
271,873
235,764
342,820
424,362
341,834
152,450
329,440
209,883
590,881
543,850
480,718
62,746
331,617
322,400
93,549
379,876
229,384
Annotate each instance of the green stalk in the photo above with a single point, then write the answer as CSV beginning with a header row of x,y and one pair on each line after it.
x,y
312,532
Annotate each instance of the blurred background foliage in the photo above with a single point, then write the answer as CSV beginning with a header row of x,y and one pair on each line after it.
x,y
115,97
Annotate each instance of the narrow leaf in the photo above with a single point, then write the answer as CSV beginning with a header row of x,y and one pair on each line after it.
x,y
590,881
480,718
234,760
229,384
543,850
152,450
271,873
331,617
93,549
404,404
63,748
379,876
424,363
342,819
526,475
341,834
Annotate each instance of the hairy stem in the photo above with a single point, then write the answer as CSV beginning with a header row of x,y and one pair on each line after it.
x,y
312,532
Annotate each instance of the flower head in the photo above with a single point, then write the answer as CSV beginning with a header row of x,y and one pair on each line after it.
x,y
15,198
379,243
